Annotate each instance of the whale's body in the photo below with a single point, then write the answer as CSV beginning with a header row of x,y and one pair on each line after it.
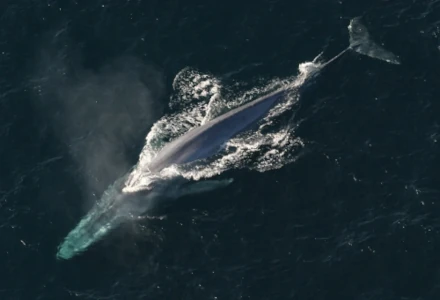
x,y
202,142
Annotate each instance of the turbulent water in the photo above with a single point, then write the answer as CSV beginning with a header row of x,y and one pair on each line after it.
x,y
271,148
334,194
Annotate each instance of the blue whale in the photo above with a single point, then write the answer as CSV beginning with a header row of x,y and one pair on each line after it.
x,y
117,206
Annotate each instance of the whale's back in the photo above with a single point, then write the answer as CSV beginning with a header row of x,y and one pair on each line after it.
x,y
204,141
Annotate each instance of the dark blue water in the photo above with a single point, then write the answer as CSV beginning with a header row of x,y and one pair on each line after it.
x,y
355,217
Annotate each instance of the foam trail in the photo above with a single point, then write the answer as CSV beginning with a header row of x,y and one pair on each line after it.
x,y
361,42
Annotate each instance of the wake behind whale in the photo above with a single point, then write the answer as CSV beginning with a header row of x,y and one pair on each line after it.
x,y
208,145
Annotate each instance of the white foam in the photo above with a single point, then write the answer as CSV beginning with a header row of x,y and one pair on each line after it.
x,y
198,99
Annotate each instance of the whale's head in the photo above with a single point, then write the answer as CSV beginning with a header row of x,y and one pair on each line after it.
x,y
115,207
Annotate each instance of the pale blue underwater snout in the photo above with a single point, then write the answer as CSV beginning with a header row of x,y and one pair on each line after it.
x,y
113,209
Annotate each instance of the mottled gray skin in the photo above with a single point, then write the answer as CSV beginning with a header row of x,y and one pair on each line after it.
x,y
204,141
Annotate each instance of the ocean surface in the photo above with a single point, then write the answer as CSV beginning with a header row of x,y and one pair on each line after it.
x,y
347,208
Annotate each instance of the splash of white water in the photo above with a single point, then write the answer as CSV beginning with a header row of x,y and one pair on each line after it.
x,y
198,99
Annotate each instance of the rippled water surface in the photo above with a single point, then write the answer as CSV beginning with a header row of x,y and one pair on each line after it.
x,y
335,197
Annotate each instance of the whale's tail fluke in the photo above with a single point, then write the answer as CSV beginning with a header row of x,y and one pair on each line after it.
x,y
361,42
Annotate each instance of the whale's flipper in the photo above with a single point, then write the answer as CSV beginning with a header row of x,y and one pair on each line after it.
x,y
204,186
361,42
